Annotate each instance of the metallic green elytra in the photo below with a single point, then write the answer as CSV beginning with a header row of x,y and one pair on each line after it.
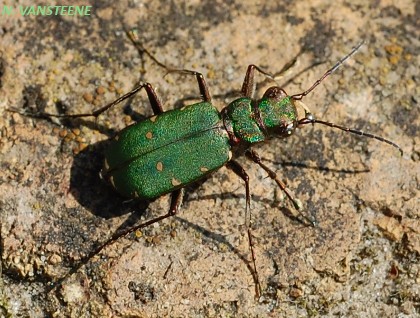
x,y
167,151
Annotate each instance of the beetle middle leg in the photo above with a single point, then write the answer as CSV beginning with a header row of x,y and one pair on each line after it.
x,y
240,171
204,91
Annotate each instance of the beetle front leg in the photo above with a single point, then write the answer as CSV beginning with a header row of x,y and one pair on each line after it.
x,y
240,171
254,156
248,87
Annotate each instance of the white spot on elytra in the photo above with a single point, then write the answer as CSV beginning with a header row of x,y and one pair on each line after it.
x,y
175,182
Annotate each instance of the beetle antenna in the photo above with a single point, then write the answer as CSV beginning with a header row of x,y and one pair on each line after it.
x,y
310,120
328,73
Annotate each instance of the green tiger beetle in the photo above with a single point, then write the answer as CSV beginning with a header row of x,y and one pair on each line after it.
x,y
173,149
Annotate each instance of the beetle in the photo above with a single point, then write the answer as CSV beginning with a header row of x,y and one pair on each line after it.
x,y
170,150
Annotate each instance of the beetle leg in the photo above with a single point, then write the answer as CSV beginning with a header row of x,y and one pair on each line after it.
x,y
248,87
237,168
154,101
254,156
202,85
151,94
240,171
204,91
176,201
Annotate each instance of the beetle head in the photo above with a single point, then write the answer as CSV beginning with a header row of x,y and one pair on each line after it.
x,y
277,112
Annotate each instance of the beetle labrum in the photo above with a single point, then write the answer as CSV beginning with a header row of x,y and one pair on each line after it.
x,y
173,149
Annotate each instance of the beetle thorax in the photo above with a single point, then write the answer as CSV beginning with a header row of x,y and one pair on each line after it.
x,y
250,121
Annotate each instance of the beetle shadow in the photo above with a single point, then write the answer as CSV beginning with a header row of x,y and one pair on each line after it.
x,y
92,192
221,239
289,212
98,197
302,165
86,185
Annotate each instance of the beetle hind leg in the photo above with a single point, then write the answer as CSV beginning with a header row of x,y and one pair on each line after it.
x,y
176,201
